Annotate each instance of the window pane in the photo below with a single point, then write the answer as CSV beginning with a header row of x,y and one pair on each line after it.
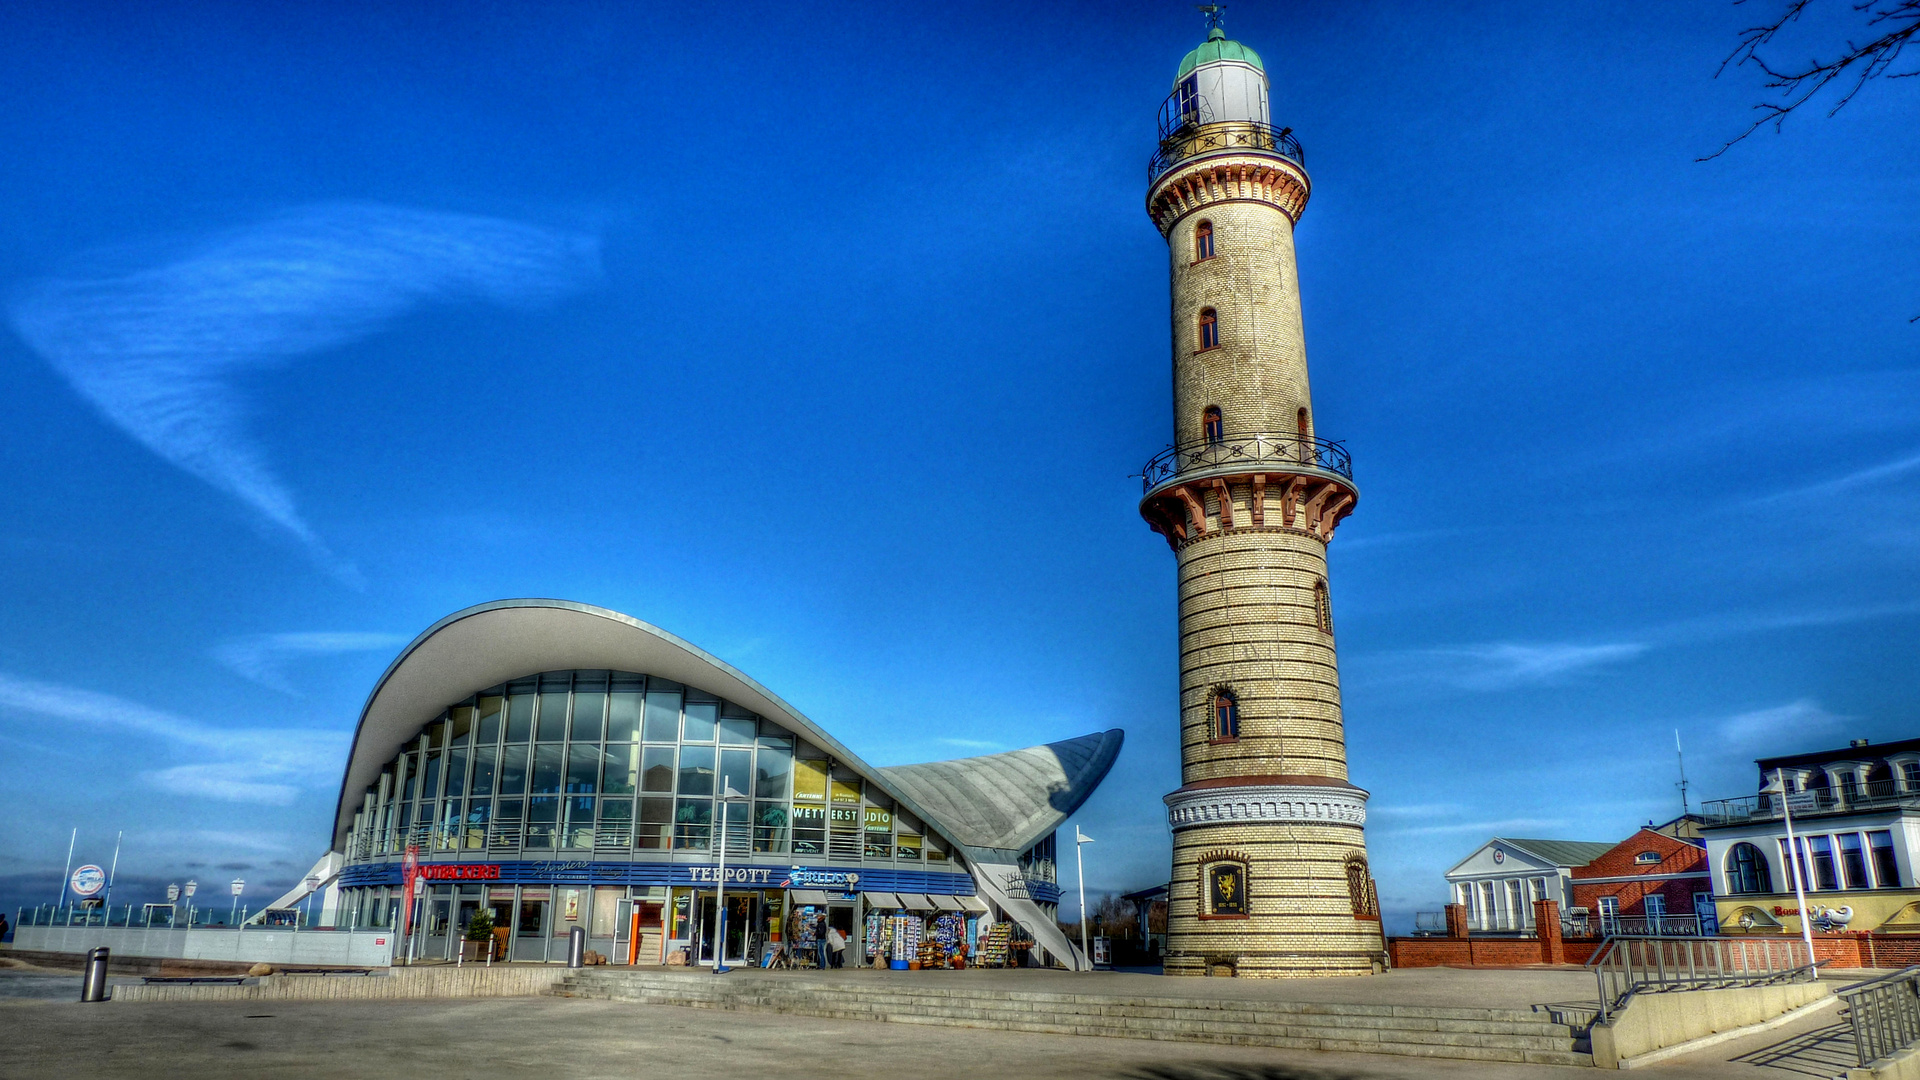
x,y
1853,860
809,781
846,789
770,826
483,765
546,770
430,780
663,716
583,768
736,769
735,731
553,717
623,769
696,770
623,718
692,824
577,830
477,823
542,819
1886,866
909,846
460,723
656,768
409,768
809,830
772,767
1823,871
489,723
519,717
700,720
656,811
655,832
457,771
587,712
513,770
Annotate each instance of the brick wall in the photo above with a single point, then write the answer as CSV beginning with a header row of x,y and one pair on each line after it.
x,y
1677,857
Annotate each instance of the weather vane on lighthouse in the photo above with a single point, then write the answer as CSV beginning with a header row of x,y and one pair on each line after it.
x,y
1212,12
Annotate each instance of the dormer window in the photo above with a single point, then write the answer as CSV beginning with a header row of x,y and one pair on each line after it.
x,y
1647,858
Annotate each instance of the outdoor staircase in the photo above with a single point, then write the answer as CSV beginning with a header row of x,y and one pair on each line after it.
x,y
1410,1030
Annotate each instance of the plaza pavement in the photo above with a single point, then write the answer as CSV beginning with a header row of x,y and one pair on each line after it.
x,y
49,1034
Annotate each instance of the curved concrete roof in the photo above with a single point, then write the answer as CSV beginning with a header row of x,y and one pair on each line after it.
x,y
1009,800
990,802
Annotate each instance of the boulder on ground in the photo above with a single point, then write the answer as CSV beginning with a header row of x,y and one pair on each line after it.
x,y
260,969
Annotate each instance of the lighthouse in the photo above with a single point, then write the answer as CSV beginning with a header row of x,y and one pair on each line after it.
x,y
1270,875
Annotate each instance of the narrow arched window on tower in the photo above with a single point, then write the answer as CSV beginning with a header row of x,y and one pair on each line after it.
x,y
1212,425
1226,717
1203,241
1306,436
1209,328
1322,607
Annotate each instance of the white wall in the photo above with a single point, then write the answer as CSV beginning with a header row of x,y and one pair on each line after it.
x,y
357,948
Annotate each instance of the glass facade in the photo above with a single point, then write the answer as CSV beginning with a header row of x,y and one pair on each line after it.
x,y
620,764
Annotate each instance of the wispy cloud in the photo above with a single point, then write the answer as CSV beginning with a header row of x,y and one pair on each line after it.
x,y
158,350
1886,470
1796,722
262,658
973,744
1507,665
265,765
1500,827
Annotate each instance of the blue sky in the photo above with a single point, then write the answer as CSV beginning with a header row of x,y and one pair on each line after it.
x,y
828,339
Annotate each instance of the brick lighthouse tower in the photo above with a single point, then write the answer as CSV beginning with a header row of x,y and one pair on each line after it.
x,y
1270,873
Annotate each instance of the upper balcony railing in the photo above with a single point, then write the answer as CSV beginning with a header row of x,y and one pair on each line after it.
x,y
1878,795
1194,139
1258,451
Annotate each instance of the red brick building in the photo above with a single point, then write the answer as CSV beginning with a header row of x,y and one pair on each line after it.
x,y
1649,875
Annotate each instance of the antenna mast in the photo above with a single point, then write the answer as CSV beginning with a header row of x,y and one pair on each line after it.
x,y
1682,785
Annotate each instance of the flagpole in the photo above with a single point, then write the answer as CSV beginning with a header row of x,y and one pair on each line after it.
x,y
68,872
1080,840
115,869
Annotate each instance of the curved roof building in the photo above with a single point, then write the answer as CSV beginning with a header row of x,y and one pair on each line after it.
x,y
563,765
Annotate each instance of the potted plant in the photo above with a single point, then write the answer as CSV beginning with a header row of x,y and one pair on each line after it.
x,y
480,939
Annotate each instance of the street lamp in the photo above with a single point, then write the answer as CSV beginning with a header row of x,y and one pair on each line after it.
x,y
312,883
188,893
1080,840
238,887
1794,857
727,801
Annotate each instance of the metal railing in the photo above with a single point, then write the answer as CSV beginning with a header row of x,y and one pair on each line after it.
x,y
1259,449
1651,965
1650,925
1191,140
1878,795
1884,1013
179,916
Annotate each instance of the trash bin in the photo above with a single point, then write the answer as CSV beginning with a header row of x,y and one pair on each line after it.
x,y
93,984
576,947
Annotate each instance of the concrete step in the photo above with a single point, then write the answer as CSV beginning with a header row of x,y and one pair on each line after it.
x,y
1418,1031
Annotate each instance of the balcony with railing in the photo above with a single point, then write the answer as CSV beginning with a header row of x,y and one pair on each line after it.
x,y
1877,795
1258,451
1199,138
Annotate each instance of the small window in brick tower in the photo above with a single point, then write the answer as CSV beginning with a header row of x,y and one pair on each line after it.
x,y
1226,717
1322,607
1216,429
1209,328
1203,241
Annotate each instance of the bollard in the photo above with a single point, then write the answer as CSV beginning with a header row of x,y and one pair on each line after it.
x,y
576,947
93,985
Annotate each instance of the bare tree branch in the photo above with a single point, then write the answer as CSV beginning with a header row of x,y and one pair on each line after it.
x,y
1894,21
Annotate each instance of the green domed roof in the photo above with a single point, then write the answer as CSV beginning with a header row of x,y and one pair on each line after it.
x,y
1218,46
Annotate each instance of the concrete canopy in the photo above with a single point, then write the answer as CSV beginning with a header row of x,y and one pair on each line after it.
x,y
1002,801
1009,801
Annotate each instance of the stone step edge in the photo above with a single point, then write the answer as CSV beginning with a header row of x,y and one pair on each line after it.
x,y
1223,1004
1217,1032
1559,1033
1122,1007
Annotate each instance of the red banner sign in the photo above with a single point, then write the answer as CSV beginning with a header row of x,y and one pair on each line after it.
x,y
409,868
467,872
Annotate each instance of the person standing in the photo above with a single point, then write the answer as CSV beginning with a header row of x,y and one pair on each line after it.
x,y
837,945
820,939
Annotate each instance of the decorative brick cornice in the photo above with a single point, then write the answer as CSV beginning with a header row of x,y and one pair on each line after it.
x,y
1286,804
1314,505
1239,177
